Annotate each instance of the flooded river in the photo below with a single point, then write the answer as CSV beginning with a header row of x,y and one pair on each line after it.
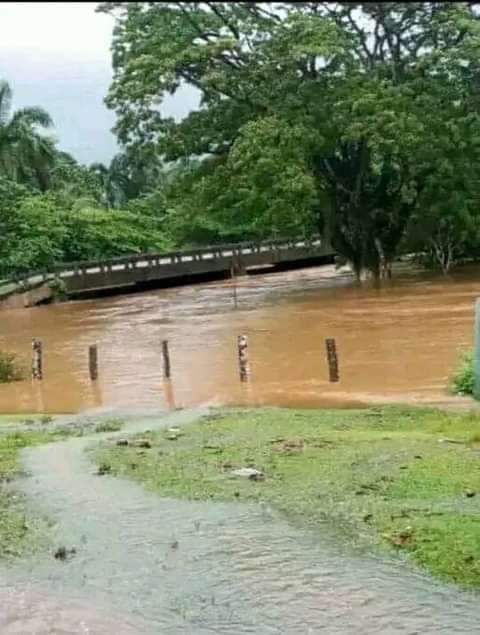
x,y
150,565
399,342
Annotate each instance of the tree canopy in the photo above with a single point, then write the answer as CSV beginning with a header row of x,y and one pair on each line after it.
x,y
53,209
352,116
358,120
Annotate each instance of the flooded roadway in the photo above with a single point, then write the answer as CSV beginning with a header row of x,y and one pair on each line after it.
x,y
400,342
157,566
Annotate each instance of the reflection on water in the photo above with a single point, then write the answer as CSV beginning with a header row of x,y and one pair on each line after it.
x,y
179,567
400,341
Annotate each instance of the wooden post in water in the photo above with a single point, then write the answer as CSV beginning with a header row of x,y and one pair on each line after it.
x,y
37,366
332,359
166,360
476,352
93,361
243,358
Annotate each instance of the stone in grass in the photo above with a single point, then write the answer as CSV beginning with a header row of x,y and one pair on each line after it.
x,y
173,434
469,493
104,468
250,473
62,553
134,443
141,443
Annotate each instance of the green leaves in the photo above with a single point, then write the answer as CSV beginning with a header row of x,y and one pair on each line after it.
x,y
344,115
26,156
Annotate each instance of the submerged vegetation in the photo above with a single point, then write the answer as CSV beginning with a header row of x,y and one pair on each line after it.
x,y
20,530
463,380
10,368
397,478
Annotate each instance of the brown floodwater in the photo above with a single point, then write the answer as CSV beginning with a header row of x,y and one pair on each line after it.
x,y
398,342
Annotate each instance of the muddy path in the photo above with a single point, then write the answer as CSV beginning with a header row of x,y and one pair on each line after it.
x,y
150,565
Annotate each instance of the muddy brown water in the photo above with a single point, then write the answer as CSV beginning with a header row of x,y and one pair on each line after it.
x,y
400,342
150,565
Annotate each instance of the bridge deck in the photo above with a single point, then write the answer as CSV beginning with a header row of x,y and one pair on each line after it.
x,y
81,277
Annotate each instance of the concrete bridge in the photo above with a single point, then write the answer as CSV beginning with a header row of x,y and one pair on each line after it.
x,y
180,267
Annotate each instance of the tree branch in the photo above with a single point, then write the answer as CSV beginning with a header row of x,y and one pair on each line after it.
x,y
233,29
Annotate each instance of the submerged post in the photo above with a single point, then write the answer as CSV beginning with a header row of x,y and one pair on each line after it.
x,y
93,361
37,367
233,276
243,358
476,352
332,359
235,300
166,360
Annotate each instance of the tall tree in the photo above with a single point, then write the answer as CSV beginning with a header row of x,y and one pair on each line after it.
x,y
26,155
379,95
127,177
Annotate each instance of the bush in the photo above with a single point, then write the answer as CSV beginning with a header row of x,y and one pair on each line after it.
x,y
10,370
463,380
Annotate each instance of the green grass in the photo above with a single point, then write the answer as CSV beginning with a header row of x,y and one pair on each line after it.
x,y
382,477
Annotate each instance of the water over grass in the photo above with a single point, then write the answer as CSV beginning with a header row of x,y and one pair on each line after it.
x,y
20,531
386,478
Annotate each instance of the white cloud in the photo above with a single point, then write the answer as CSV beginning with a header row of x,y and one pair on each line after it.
x,y
57,55
69,29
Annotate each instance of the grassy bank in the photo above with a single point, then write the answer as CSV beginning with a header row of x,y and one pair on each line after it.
x,y
19,531
396,478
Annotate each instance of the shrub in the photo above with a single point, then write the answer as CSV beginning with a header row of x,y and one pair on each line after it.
x,y
59,288
10,370
463,379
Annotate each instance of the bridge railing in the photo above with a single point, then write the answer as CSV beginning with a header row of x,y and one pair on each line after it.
x,y
65,270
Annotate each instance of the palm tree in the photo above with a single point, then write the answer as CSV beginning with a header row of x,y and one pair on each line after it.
x,y
112,189
26,155
127,177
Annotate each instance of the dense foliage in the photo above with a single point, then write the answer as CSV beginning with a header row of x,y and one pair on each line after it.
x,y
356,120
52,209
360,119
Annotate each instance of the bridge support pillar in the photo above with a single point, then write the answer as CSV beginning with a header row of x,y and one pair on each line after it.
x,y
237,268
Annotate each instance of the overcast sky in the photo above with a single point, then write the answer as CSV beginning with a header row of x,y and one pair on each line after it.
x,y
57,55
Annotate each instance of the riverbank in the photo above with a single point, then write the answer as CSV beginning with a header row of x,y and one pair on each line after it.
x,y
386,478
20,531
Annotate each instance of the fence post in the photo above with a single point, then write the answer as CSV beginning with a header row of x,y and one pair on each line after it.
x,y
93,361
243,357
166,360
37,366
332,359
476,353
